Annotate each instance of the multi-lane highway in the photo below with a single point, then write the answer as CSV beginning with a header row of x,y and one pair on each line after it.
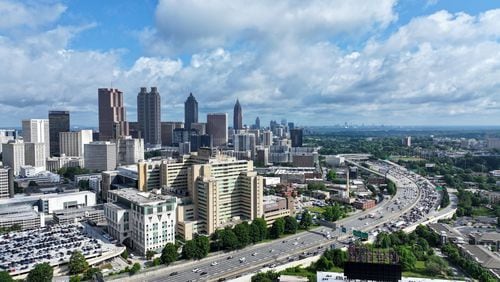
x,y
409,196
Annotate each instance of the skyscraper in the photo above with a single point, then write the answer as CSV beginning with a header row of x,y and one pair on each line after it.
x,y
148,116
190,111
257,123
217,128
237,116
58,122
296,136
112,122
37,131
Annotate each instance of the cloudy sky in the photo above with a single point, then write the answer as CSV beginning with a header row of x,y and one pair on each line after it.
x,y
319,62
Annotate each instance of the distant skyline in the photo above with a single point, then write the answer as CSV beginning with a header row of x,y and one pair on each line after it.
x,y
316,62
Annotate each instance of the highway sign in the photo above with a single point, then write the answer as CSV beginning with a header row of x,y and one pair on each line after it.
x,y
344,229
360,234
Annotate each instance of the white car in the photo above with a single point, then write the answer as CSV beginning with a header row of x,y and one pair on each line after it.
x,y
214,263
196,270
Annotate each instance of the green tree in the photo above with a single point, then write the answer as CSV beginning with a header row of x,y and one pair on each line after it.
x,y
150,254
125,254
77,263
333,213
306,220
229,241
323,264
42,272
291,225
406,258
331,175
242,232
189,251
91,273
258,230
74,278
277,229
169,254
269,276
435,265
336,256
135,268
5,277
202,246
383,240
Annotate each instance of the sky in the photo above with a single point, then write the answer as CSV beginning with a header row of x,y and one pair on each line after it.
x,y
318,62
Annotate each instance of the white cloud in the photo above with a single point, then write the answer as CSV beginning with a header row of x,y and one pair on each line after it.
x,y
17,14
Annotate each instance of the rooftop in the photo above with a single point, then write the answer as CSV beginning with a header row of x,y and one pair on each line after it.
x,y
137,197
483,256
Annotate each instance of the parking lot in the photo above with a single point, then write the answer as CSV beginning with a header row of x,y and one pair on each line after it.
x,y
20,251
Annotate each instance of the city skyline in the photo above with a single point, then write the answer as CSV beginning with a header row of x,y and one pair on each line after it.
x,y
396,63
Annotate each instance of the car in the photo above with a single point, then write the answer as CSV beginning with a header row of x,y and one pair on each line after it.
x,y
295,243
229,257
242,259
196,270
271,250
214,263
254,254
173,273
203,273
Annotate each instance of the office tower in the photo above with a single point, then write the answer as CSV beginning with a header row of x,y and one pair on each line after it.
x,y
13,155
190,111
7,135
112,117
134,130
167,131
200,141
267,138
217,128
37,131
296,136
257,123
291,125
130,150
262,158
200,127
100,155
148,116
237,116
34,154
244,142
6,182
72,144
182,135
146,220
58,122
224,189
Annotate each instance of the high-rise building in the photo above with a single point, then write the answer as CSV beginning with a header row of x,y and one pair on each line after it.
x,y
200,141
130,150
147,220
13,155
244,142
58,122
217,128
7,135
112,117
34,154
190,111
100,155
257,123
6,182
267,138
225,189
291,125
237,116
148,116
72,144
296,135
167,131
37,131
200,127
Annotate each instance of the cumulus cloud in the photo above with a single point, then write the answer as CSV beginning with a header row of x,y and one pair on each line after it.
x,y
17,14
280,60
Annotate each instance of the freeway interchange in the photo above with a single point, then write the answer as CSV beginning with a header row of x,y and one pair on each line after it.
x,y
414,202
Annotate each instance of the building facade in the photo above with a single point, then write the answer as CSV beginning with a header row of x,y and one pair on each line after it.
x,y
217,128
296,135
167,131
72,144
58,122
190,111
100,155
148,116
37,131
6,182
13,155
130,150
237,116
112,116
34,154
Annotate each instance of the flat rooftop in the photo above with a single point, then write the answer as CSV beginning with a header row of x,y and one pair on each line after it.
x,y
138,197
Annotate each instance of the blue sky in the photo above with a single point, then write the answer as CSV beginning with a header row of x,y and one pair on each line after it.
x,y
317,62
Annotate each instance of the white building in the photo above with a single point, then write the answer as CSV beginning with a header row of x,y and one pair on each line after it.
x,y
30,171
100,155
72,144
6,182
34,154
147,219
244,142
7,135
37,131
130,150
56,163
13,155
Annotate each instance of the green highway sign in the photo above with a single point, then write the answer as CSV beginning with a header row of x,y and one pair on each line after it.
x,y
360,234
344,229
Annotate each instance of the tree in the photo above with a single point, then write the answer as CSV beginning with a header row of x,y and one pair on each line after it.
x,y
242,232
135,268
91,273
74,278
323,264
125,254
383,240
77,263
269,276
203,246
435,265
406,258
333,213
258,230
306,220
391,188
5,277
336,256
228,239
189,249
291,225
150,254
42,272
169,254
277,229
331,175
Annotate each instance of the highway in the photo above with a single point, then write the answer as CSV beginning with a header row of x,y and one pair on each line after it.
x,y
408,197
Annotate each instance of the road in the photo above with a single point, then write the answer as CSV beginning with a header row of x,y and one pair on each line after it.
x,y
231,265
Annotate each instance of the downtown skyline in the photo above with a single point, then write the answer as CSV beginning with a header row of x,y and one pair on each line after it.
x,y
397,63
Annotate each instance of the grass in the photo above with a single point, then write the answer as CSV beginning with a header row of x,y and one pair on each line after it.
x,y
482,211
316,209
